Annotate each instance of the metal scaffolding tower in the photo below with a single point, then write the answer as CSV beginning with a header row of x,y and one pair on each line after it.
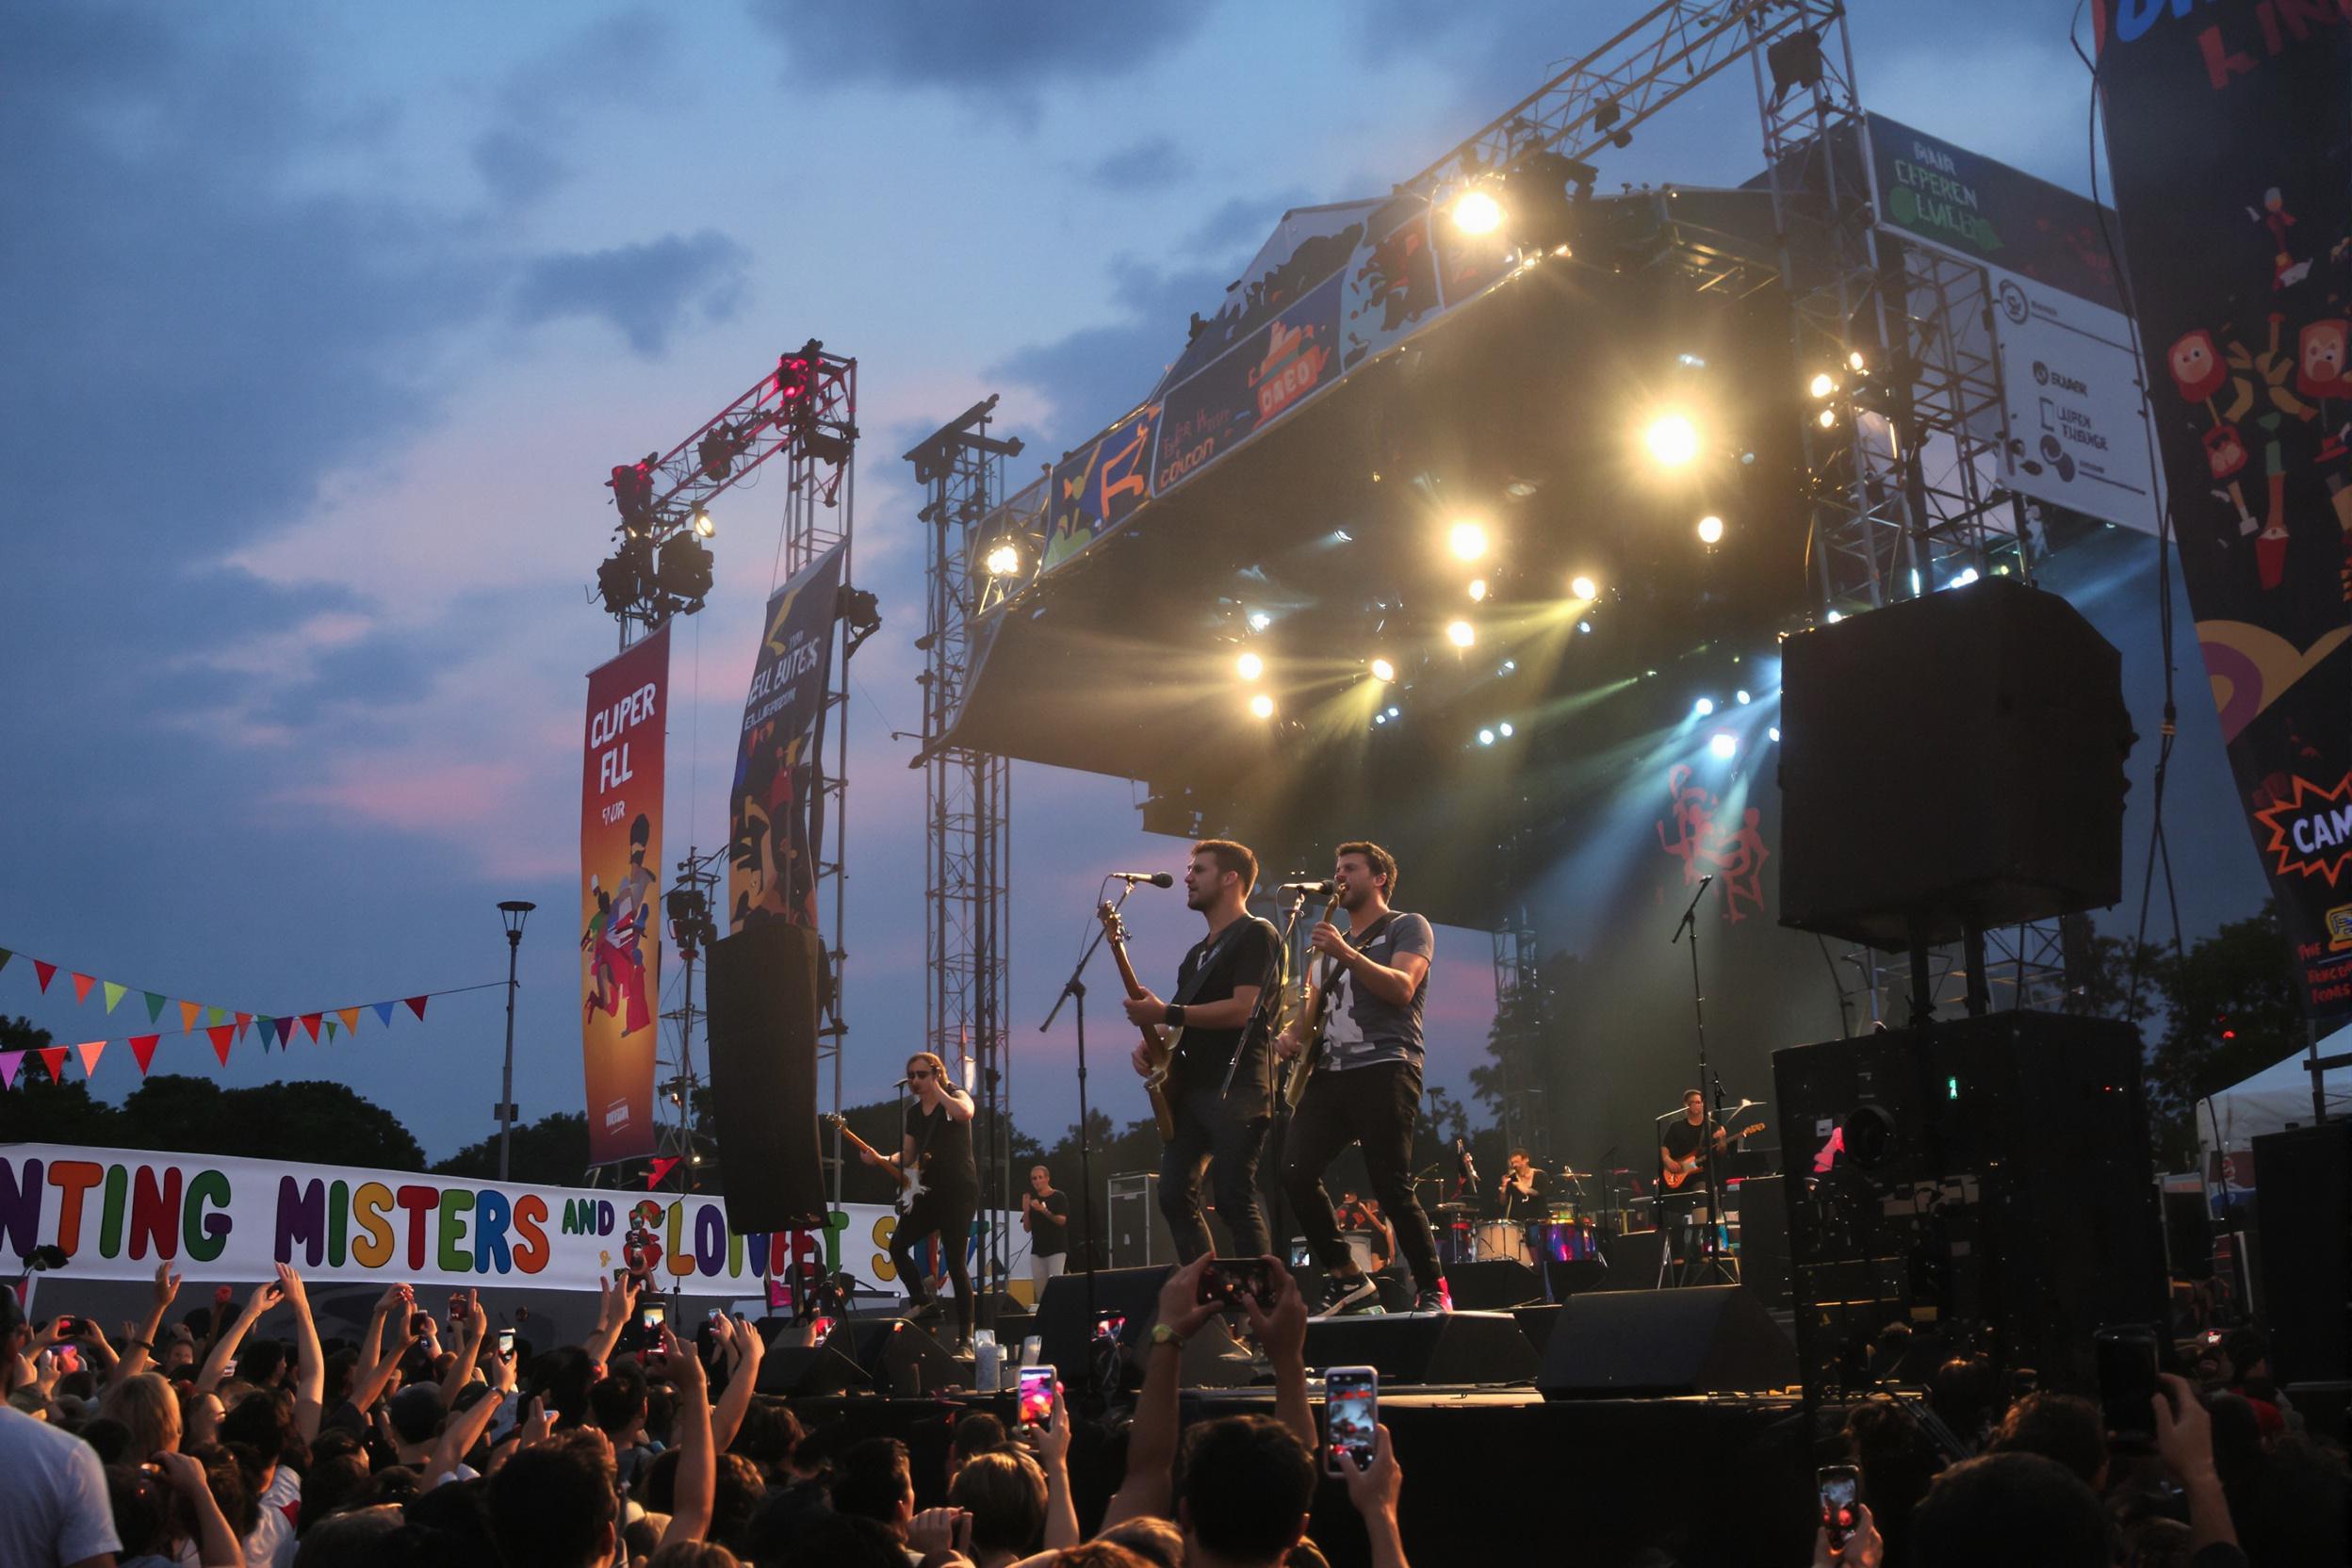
x,y
967,794
687,907
1521,1037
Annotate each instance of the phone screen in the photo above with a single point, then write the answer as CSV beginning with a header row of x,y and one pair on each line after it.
x,y
2127,1378
506,1341
652,1315
1351,1408
1841,1491
1037,1396
419,1324
1226,1280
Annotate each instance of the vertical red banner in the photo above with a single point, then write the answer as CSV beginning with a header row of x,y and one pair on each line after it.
x,y
620,914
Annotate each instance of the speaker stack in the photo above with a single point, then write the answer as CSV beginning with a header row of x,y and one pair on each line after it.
x,y
764,984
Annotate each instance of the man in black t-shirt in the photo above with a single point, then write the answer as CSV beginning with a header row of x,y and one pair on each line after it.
x,y
1220,1087
1045,1215
937,1148
1527,1188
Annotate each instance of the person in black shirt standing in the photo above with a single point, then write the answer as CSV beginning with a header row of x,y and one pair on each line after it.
x,y
938,1149
1679,1145
1045,1215
1221,1084
1527,1189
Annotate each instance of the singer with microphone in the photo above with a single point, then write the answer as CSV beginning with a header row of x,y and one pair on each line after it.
x,y
1222,1077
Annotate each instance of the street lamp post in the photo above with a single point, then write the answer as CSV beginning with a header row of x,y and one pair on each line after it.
x,y
513,911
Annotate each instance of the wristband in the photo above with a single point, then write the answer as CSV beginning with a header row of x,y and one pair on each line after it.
x,y
1173,1016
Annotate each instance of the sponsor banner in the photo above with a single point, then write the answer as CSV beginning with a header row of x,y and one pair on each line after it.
x,y
1990,213
117,1213
2226,133
2077,421
1391,280
773,805
620,857
1094,488
1270,375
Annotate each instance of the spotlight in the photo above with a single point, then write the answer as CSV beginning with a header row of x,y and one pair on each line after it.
x,y
1261,707
1584,587
1821,386
684,571
1710,529
1702,707
1505,730
704,526
1722,747
1743,698
1827,419
1968,575
1486,737
1856,362
1461,633
1466,539
1260,620
1382,671
1250,666
1833,617
1380,718
1476,212
1772,735
1795,62
1507,666
1478,590
1003,559
1391,712
1584,628
1671,439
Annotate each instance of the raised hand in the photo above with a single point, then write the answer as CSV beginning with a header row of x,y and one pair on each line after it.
x,y
1373,1488
167,1288
291,1289
182,1474
936,1530
1180,1307
266,1294
1282,1329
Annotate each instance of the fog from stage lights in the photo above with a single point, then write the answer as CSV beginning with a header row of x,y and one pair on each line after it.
x,y
1722,747
1584,588
1476,212
1486,737
1478,590
1702,707
1004,561
1261,707
1672,440
1250,666
1710,529
1461,633
1821,386
1383,671
1466,539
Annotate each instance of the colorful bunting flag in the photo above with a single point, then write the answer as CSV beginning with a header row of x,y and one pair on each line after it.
x,y
265,1023
46,972
155,1005
81,987
329,1031
222,1034
9,1061
89,1051
284,1026
114,993
216,1015
5,957
310,1025
661,1167
143,1047
416,1005
187,1016
244,1022
351,1019
384,1011
52,1057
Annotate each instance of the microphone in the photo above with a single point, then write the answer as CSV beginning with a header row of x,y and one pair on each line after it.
x,y
1155,878
1321,889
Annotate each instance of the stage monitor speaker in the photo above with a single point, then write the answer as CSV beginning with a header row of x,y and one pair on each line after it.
x,y
818,1369
1705,1339
896,1355
1127,1302
764,983
1496,1285
1986,787
2302,1188
1987,1182
1425,1348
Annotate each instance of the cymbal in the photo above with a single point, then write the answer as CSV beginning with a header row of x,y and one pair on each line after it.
x,y
1574,1175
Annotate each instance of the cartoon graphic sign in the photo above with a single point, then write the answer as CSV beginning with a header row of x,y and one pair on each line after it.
x,y
620,927
1094,488
773,804
1732,853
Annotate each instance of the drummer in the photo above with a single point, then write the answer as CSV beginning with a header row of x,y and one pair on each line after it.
x,y
1526,1192
1363,1216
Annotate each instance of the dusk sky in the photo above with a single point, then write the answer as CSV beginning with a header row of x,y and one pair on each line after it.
x,y
323,325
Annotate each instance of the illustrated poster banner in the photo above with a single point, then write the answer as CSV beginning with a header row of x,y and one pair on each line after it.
x,y
1094,488
1264,378
773,804
620,854
2226,134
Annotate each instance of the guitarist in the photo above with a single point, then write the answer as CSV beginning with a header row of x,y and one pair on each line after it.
x,y
937,1148
1686,1141
1367,1087
1221,1084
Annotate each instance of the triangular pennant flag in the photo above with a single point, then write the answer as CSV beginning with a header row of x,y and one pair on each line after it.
x,y
663,1166
222,1034
9,1062
244,1022
81,986
52,1057
265,1023
416,1004
114,993
351,1019
44,972
5,957
143,1047
89,1051
329,1031
154,1006
384,1011
284,1026
310,1023
187,1017
216,1015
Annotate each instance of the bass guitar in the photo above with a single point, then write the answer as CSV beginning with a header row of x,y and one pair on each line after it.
x,y
1159,1043
1313,1024
1674,1177
910,1184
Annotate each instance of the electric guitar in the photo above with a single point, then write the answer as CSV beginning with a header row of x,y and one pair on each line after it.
x,y
1673,1178
911,1182
1313,1026
1159,1043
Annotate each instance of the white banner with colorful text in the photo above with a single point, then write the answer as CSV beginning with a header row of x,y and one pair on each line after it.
x,y
116,1212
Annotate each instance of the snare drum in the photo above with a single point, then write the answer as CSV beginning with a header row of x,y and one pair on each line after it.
x,y
1564,1241
1504,1239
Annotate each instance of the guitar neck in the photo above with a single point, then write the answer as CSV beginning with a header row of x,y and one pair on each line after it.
x,y
1126,969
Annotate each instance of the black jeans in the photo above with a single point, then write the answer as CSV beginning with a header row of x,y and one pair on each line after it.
x,y
1211,1137
1376,1106
949,1213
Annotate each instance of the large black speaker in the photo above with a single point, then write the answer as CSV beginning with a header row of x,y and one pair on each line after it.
x,y
895,1355
1426,1346
1494,1285
1127,1305
764,985
818,1369
1705,1339
2302,1187
1948,762
1987,1185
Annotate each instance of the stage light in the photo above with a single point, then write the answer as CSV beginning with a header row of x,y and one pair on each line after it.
x,y
1380,718
1391,712
704,526
1722,747
1476,212
1584,587
1250,666
1710,529
1261,707
684,571
1821,386
1772,735
1691,362
1466,539
1505,730
1671,439
1834,617
1382,671
1478,590
1702,707
1003,559
1743,698
1508,666
1968,575
1461,633
1827,419
1915,582
1486,737
1260,620
1584,628
1856,362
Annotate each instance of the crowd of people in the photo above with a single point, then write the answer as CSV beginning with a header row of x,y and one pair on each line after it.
x,y
196,1441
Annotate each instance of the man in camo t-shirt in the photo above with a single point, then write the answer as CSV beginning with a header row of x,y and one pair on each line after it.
x,y
1367,1087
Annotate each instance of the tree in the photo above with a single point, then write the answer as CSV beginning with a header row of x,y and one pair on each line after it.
x,y
42,1110
550,1152
308,1121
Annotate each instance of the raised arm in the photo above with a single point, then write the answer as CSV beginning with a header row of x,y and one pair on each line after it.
x,y
310,1362
618,1305
1061,1511
1282,1335
1152,1437
224,1348
216,1544
376,1364
137,1350
727,1417
469,1337
957,1104
697,1460
459,1434
2185,1436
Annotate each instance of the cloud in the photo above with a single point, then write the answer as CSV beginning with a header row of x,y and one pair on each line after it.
x,y
1154,164
614,62
1240,225
517,166
1093,375
643,292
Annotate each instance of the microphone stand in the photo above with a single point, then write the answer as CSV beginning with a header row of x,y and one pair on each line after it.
x,y
1270,1009
1074,989
1713,1268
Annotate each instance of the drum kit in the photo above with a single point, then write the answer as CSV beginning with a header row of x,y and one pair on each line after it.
x,y
1564,1232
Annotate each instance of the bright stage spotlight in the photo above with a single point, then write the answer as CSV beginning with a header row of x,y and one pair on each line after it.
x,y
1391,712
1261,707
1003,559
1671,439
1260,620
1461,633
1772,734
1476,212
1968,575
704,526
1250,666
1855,361
1833,617
1743,698
1722,747
1584,628
1382,671
1486,737
1466,539
1823,384
1827,418
1710,529
1702,707
1505,730
1478,590
1584,587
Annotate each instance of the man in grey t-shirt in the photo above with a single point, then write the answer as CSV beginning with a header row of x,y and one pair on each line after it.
x,y
1366,1086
